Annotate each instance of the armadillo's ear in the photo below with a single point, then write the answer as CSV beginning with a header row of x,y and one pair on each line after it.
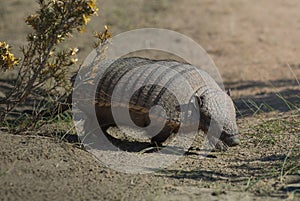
x,y
228,92
195,103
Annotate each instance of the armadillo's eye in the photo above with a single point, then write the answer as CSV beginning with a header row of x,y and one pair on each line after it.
x,y
201,101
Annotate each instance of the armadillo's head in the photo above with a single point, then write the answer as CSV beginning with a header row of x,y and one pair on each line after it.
x,y
218,117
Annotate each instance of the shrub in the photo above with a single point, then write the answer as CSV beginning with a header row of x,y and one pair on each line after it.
x,y
43,69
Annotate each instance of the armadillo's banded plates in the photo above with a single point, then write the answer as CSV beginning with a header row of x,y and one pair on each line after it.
x,y
138,84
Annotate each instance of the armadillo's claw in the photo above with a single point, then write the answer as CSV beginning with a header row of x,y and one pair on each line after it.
x,y
231,141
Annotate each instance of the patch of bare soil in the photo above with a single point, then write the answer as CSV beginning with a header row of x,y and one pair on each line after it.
x,y
255,45
35,168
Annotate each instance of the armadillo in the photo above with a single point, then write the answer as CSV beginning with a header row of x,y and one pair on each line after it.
x,y
208,100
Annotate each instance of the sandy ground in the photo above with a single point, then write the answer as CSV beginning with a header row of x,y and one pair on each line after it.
x,y
255,45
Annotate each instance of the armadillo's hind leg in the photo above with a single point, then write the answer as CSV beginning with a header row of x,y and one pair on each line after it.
x,y
162,136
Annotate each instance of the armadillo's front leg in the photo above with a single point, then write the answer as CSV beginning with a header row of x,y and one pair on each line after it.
x,y
230,140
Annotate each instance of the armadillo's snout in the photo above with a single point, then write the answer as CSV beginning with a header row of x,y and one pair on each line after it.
x,y
230,140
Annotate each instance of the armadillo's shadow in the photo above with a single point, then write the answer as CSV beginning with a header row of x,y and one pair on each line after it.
x,y
142,147
129,145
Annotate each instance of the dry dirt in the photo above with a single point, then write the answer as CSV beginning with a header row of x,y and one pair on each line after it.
x,y
255,45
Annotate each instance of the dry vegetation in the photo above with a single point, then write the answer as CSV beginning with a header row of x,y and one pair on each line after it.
x,y
251,42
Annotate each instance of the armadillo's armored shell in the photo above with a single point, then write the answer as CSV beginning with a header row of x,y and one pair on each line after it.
x,y
147,83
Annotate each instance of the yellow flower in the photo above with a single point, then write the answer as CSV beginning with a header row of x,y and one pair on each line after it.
x,y
92,5
4,45
105,35
11,60
3,58
74,60
7,59
86,19
73,51
59,38
81,29
10,56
